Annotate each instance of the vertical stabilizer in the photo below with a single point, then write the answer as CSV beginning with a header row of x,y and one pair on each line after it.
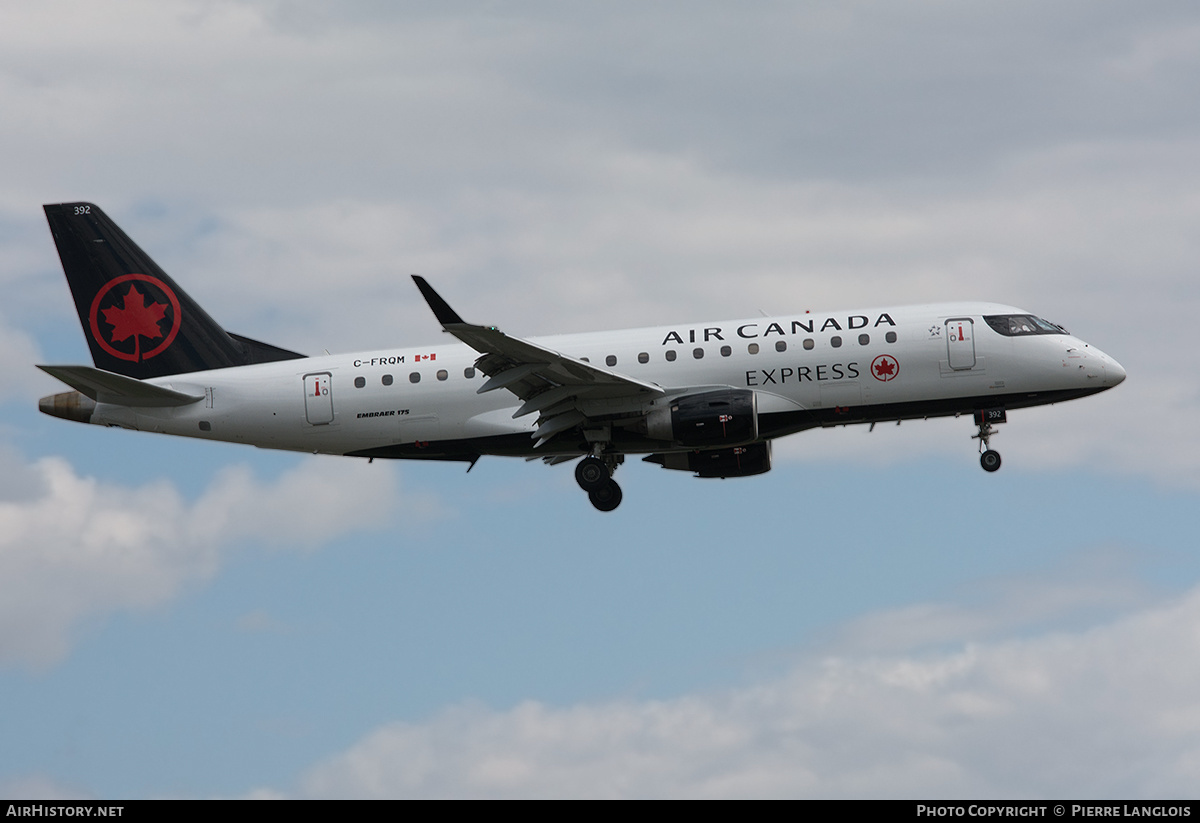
x,y
137,321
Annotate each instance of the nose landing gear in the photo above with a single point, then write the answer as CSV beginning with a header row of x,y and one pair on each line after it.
x,y
594,475
984,418
990,460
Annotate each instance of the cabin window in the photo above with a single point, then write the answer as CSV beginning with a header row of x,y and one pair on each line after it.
x,y
468,372
726,351
611,360
643,357
780,345
205,426
670,355
864,340
386,380
415,377
585,360
752,348
442,374
359,382
809,343
835,341
890,337
698,354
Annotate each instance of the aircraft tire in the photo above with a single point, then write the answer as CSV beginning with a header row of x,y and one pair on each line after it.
x,y
591,474
607,497
990,460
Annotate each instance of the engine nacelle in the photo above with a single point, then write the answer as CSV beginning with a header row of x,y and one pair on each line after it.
x,y
713,418
736,461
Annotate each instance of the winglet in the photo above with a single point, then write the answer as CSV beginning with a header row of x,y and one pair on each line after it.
x,y
441,309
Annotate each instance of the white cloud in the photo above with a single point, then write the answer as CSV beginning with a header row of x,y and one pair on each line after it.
x,y
1105,712
40,787
18,353
74,549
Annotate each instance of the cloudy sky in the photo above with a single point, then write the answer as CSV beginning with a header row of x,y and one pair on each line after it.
x,y
875,617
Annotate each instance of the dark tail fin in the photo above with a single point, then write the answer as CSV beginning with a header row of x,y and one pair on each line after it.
x,y
136,320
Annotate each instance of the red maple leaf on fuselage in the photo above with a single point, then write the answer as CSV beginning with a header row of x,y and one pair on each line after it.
x,y
885,367
137,316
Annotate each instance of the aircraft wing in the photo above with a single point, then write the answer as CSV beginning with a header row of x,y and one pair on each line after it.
x,y
550,382
107,387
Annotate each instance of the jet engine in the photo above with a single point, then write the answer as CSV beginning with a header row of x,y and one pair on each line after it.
x,y
736,461
712,418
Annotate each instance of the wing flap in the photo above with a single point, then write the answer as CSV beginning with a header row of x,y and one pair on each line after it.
x,y
503,354
548,381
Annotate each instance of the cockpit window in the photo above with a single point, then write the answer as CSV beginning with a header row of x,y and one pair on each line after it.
x,y
1015,325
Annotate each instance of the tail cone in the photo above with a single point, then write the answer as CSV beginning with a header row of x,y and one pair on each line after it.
x,y
69,405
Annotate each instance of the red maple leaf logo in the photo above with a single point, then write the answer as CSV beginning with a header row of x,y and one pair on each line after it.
x,y
885,367
137,317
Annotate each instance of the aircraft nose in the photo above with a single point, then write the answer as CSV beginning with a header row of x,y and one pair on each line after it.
x,y
1114,373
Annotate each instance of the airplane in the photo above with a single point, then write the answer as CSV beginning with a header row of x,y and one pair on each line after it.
x,y
705,398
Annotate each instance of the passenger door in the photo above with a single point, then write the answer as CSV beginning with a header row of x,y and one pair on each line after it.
x,y
318,398
960,339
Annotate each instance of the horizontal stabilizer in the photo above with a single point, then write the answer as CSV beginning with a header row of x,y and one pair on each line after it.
x,y
107,387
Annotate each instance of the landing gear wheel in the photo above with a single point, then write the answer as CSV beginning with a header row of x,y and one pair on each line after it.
x,y
990,460
591,474
607,497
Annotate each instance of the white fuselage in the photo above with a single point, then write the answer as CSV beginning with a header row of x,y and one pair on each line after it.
x,y
807,370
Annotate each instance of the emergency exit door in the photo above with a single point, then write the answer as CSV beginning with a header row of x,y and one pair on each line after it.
x,y
960,338
318,398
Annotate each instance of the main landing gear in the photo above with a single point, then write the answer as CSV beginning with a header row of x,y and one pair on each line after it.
x,y
989,458
594,476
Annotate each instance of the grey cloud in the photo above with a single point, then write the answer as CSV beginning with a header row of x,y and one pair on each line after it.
x,y
556,168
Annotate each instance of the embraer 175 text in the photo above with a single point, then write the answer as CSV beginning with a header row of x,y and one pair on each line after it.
x,y
707,399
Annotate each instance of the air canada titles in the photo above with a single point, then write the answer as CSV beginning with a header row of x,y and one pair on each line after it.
x,y
752,331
